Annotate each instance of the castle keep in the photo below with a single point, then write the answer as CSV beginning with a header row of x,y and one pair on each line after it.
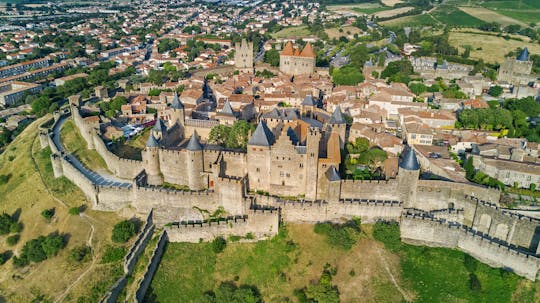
x,y
517,71
243,56
293,61
291,154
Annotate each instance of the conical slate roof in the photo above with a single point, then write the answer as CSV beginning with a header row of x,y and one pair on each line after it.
x,y
292,135
309,101
176,103
262,136
524,55
152,141
227,109
159,126
408,160
194,144
332,174
337,116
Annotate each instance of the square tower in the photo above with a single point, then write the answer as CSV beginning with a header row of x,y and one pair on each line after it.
x,y
243,56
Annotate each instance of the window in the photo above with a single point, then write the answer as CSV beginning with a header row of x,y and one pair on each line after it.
x,y
258,170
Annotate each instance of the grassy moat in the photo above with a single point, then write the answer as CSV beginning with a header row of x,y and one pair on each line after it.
x,y
378,268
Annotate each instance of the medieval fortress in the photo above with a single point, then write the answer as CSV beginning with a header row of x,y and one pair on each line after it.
x,y
288,173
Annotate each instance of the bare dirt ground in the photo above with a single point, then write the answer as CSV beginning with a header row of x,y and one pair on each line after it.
x,y
393,12
391,2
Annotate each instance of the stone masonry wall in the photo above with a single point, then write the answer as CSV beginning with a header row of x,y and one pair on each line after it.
x,y
361,189
417,230
261,224
151,268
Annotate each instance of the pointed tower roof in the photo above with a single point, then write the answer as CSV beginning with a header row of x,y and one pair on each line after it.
x,y
288,50
409,160
332,174
524,55
337,116
292,135
194,144
262,136
227,109
308,51
309,101
152,141
176,103
159,126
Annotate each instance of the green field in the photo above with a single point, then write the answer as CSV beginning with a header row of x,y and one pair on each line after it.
x,y
523,10
452,16
372,10
415,20
293,32
279,266
522,15
522,4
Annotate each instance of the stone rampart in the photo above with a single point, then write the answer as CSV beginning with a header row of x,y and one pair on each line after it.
x,y
492,251
369,189
151,267
79,179
112,198
262,224
120,167
139,245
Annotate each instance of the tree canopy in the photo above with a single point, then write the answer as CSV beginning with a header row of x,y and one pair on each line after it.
x,y
347,75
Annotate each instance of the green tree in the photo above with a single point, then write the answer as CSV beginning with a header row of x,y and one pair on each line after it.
x,y
347,75
417,88
495,91
52,244
272,57
123,231
40,105
359,55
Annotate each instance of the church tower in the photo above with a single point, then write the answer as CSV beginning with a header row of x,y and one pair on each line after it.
x,y
409,172
243,56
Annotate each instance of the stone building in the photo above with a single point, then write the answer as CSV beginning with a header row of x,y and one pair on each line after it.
x,y
293,61
516,71
243,56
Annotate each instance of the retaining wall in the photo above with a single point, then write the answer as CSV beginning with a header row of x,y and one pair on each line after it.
x,y
151,268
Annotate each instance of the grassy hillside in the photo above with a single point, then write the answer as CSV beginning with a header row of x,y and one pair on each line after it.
x,y
371,270
30,189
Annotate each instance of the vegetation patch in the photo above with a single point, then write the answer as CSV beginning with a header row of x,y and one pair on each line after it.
x,y
75,144
343,236
447,275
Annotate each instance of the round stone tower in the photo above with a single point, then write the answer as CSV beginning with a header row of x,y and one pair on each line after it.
x,y
195,167
150,156
409,172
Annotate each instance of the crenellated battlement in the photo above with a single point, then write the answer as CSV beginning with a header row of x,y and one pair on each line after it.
x,y
373,202
174,191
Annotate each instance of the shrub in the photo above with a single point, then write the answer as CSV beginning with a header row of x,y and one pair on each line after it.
x,y
250,236
41,248
48,214
234,238
219,244
123,231
21,261
80,253
474,283
4,257
8,224
12,240
4,179
388,234
75,210
229,292
340,235
113,254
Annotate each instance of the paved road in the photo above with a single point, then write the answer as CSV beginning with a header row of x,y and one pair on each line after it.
x,y
96,178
